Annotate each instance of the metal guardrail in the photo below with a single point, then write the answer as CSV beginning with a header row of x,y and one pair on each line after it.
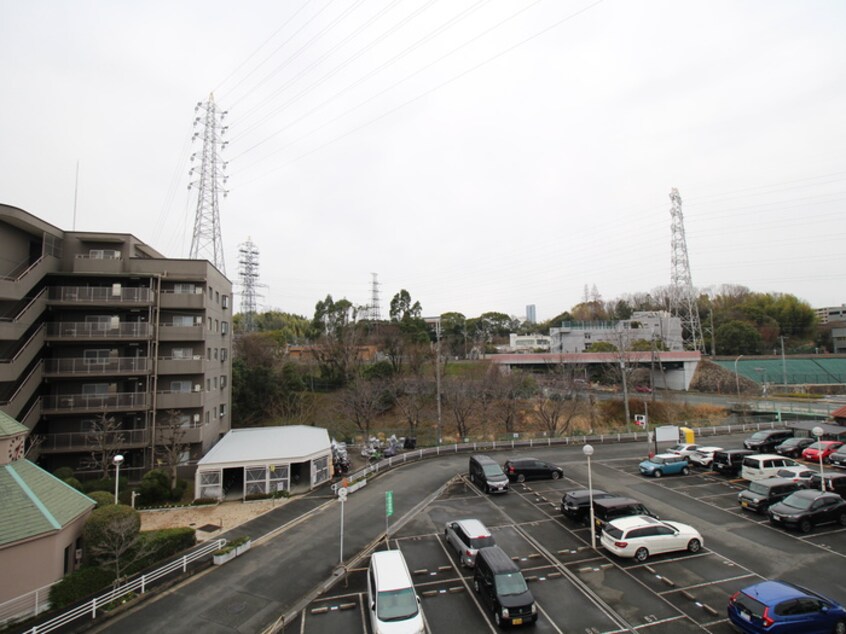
x,y
137,585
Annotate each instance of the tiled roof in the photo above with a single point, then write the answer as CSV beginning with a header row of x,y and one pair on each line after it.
x,y
34,502
9,426
839,413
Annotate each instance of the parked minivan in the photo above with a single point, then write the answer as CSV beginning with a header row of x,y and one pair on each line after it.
x,y
394,605
762,494
764,465
502,588
486,474
467,537
729,461
767,440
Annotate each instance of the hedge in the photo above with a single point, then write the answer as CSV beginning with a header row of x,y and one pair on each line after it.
x,y
78,585
163,544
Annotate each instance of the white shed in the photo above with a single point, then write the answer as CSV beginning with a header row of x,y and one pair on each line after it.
x,y
263,460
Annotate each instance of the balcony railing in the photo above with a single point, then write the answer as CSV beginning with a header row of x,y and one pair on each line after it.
x,y
91,330
100,294
80,441
87,366
95,402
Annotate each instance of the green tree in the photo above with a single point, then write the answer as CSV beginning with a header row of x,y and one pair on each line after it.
x,y
602,346
112,537
337,339
738,337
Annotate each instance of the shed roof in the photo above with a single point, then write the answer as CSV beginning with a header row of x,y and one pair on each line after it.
x,y
288,443
34,502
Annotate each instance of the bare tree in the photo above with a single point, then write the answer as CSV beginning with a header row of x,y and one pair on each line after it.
x,y
510,389
460,398
360,402
556,402
105,438
411,395
171,445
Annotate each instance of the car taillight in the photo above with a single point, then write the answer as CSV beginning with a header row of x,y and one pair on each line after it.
x,y
766,621
469,552
621,544
511,469
733,597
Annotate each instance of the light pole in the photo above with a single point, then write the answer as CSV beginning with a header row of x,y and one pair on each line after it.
x,y
342,497
117,461
437,323
818,432
737,376
588,451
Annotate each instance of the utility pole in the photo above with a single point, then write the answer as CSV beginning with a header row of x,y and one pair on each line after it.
x,y
436,321
783,363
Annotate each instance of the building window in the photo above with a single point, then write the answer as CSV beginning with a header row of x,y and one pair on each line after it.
x,y
211,293
97,389
208,354
215,382
210,324
182,353
183,289
223,382
224,327
321,470
216,297
183,321
215,354
208,385
180,386
225,301
208,418
223,354
222,410
95,357
216,325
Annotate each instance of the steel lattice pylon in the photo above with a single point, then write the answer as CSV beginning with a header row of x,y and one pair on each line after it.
x,y
248,264
374,312
682,295
206,242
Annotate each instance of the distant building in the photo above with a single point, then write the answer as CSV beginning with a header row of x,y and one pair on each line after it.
x,y
531,314
831,313
574,337
838,340
528,343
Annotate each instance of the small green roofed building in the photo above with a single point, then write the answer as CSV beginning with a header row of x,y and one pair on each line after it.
x,y
41,519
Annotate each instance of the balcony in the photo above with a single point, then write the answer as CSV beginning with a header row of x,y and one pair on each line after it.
x,y
181,333
167,399
79,366
11,369
14,326
97,331
82,403
99,295
25,391
100,263
64,442
182,301
172,365
21,281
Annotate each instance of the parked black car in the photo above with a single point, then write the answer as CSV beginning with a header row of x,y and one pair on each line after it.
x,y
834,482
762,494
607,509
730,461
576,504
522,469
486,474
502,588
793,447
838,458
808,508
766,440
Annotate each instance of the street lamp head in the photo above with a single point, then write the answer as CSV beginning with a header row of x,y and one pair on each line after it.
x,y
818,431
587,450
118,460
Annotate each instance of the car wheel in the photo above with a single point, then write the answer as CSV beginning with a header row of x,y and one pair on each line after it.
x,y
842,519
657,474
555,475
686,471
840,627
521,478
805,526
641,554
694,546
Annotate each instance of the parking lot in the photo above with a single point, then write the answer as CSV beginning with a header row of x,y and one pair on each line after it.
x,y
578,589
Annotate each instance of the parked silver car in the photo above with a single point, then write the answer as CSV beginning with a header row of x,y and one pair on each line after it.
x,y
467,537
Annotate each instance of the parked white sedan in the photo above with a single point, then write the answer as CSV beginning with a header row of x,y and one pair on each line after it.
x,y
640,536
704,456
683,449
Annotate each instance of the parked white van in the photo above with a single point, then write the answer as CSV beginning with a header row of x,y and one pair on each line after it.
x,y
764,465
393,602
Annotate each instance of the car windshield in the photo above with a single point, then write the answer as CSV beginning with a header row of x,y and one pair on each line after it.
x,y
481,542
492,470
510,583
759,435
657,460
396,605
758,488
816,445
798,502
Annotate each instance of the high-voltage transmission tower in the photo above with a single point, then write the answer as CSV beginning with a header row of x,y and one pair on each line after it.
x,y
374,312
206,243
682,295
248,265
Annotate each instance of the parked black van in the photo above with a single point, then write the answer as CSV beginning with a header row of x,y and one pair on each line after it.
x,y
607,509
486,474
766,440
730,461
762,494
834,482
502,588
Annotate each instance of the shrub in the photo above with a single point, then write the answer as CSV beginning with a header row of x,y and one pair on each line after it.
x,y
73,482
102,498
106,484
63,473
110,530
160,545
178,490
201,501
78,585
155,487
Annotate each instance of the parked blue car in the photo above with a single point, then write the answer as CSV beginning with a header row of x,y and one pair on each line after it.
x,y
665,464
778,607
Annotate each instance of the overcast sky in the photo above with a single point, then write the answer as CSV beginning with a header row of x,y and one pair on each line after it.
x,y
483,155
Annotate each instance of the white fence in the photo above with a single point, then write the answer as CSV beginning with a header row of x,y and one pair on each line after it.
x,y
136,586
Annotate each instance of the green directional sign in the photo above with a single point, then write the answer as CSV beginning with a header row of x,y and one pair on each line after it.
x,y
389,503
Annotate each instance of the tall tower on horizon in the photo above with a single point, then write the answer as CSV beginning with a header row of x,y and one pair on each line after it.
x,y
248,265
682,294
206,243
375,312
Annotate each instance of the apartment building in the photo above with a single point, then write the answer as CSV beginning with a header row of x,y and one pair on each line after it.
x,y
100,326
574,337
